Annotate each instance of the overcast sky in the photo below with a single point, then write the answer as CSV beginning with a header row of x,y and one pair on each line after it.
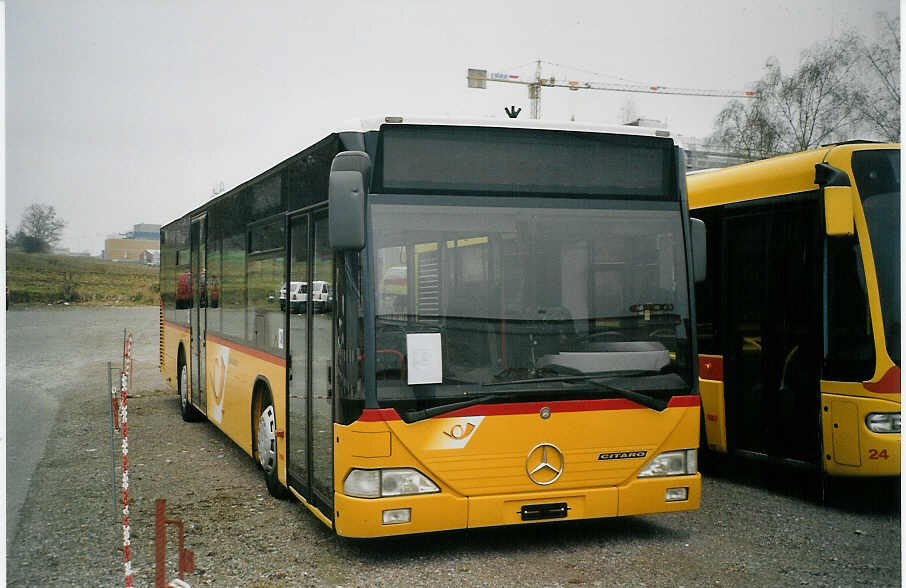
x,y
122,112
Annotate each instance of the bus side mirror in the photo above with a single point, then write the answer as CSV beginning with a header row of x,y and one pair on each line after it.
x,y
699,236
349,175
838,210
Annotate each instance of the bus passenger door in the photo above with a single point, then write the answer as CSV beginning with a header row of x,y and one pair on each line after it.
x,y
297,444
744,278
198,312
772,309
310,403
321,348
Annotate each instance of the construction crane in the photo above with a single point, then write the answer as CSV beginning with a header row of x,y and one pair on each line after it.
x,y
478,78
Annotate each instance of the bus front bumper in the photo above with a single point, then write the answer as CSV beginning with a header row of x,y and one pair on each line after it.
x,y
850,448
361,517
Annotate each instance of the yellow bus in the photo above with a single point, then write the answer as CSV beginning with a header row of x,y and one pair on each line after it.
x,y
799,317
508,334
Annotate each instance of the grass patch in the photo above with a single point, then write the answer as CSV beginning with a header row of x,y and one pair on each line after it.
x,y
43,278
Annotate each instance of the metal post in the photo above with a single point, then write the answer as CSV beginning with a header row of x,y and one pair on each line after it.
x,y
125,385
114,416
160,544
534,92
186,556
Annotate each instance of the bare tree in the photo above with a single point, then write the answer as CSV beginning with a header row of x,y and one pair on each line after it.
x,y
40,228
878,93
817,104
746,131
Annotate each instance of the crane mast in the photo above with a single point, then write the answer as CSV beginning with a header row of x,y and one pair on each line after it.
x,y
478,78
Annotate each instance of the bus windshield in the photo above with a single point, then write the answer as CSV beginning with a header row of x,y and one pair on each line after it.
x,y
521,289
877,174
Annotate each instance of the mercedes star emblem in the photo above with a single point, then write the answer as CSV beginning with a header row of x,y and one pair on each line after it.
x,y
544,464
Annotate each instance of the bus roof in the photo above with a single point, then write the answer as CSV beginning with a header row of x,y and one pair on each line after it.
x,y
785,174
374,124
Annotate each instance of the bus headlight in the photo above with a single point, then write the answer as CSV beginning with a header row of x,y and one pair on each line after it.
x,y
363,484
883,422
672,463
387,482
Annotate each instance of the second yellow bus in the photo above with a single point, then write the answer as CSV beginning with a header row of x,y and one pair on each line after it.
x,y
799,318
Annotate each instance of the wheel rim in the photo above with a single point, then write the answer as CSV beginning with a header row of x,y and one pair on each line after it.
x,y
183,385
267,439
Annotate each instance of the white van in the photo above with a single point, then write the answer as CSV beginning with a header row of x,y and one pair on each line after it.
x,y
298,296
320,296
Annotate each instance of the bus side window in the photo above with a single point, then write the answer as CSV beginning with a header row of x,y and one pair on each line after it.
x,y
265,267
350,347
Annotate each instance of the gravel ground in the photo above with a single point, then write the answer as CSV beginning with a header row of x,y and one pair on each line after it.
x,y
755,527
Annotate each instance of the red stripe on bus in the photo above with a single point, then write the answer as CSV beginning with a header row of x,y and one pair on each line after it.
x,y
711,367
248,350
888,384
684,401
371,415
177,327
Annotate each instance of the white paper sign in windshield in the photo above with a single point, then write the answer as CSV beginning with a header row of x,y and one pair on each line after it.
x,y
424,363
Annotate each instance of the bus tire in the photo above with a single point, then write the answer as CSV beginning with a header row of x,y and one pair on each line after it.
x,y
188,412
266,442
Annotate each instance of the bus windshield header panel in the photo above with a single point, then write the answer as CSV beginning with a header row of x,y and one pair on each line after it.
x,y
479,160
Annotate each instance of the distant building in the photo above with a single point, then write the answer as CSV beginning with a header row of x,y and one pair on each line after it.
x,y
128,249
66,251
699,155
145,231
131,246
646,122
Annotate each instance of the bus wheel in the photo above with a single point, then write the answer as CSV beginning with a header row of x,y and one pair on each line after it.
x,y
266,442
186,410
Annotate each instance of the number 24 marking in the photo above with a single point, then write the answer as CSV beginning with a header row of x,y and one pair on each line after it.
x,y
875,454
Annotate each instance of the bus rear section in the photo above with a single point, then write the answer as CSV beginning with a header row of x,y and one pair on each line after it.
x,y
799,319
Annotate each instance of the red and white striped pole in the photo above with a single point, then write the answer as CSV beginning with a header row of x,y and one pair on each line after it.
x,y
125,381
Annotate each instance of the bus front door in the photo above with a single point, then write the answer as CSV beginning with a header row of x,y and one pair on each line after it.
x,y
309,377
198,312
772,313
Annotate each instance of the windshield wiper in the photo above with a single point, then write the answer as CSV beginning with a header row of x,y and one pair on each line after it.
x,y
637,397
414,416
570,375
659,405
597,380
